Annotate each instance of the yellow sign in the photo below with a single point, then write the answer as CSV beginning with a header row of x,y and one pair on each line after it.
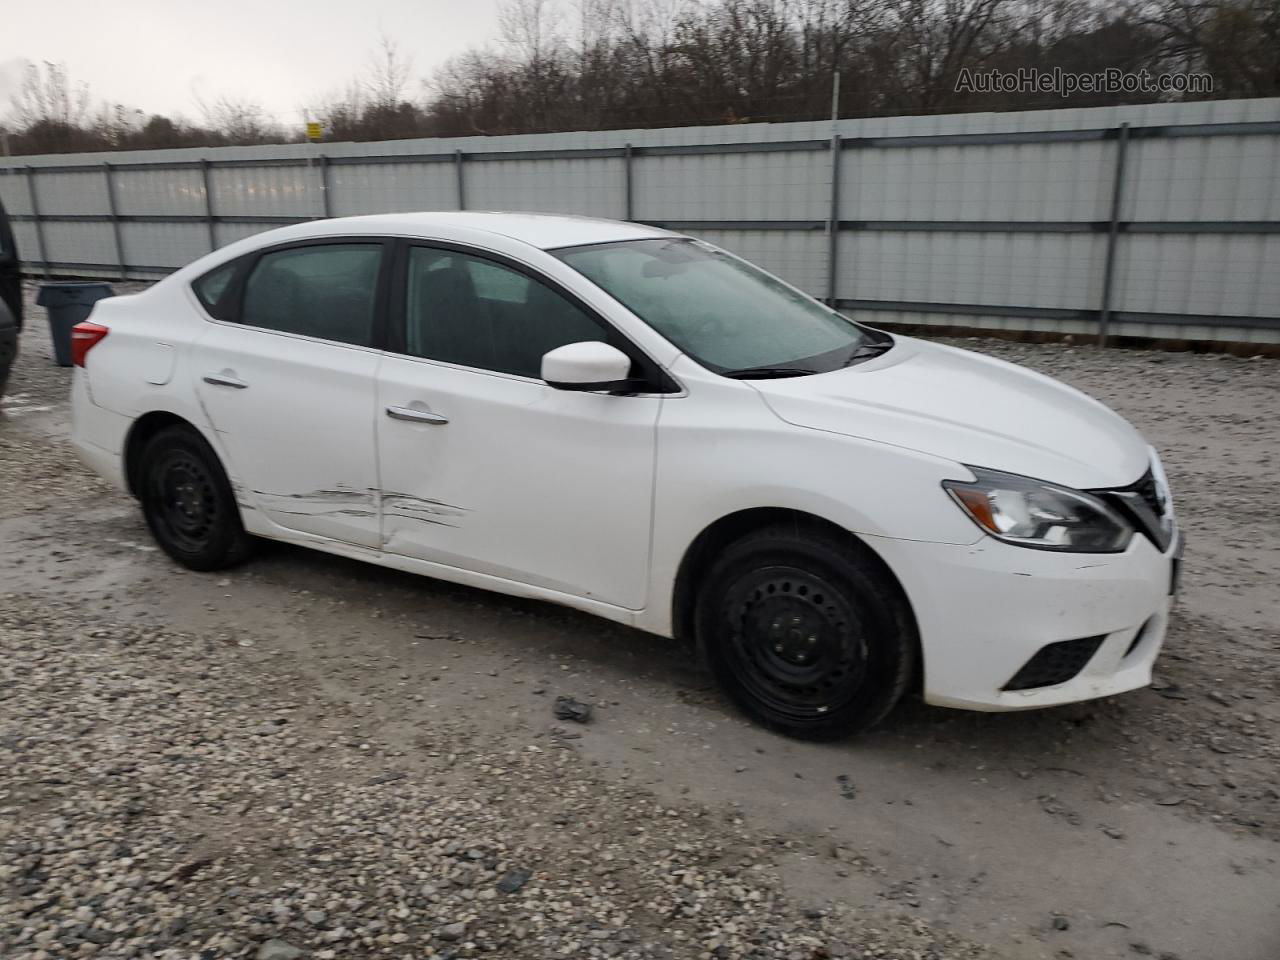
x,y
315,131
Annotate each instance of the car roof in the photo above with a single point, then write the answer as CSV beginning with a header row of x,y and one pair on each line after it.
x,y
543,230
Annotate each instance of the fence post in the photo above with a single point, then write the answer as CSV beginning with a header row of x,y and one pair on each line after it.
x,y
35,216
115,219
457,173
628,196
1113,234
325,206
833,222
208,205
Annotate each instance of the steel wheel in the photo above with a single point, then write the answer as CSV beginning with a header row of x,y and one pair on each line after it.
x,y
806,630
798,641
188,502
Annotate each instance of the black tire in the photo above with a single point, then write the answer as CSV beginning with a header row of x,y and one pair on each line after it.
x,y
805,632
8,354
188,502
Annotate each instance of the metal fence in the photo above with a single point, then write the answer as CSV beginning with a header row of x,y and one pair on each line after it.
x,y
1153,220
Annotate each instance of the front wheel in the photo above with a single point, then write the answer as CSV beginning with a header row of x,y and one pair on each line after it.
x,y
188,502
805,632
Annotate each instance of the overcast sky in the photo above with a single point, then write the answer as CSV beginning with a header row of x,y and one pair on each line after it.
x,y
160,55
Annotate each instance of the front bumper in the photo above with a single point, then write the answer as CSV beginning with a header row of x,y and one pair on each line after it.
x,y
984,610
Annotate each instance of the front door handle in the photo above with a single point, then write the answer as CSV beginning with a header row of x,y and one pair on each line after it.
x,y
224,380
418,416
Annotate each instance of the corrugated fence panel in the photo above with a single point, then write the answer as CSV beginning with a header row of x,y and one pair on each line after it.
x,y
159,192
79,242
292,191
986,220
1060,181
24,235
787,185
72,193
13,193
588,187
231,232
1033,270
163,244
391,188
1200,273
1220,178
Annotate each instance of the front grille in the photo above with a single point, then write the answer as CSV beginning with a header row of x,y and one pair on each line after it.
x,y
1142,503
1055,663
1146,488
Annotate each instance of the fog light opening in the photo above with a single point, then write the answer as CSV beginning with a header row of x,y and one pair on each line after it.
x,y
1139,637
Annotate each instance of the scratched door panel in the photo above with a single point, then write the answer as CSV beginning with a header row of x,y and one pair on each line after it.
x,y
299,432
524,482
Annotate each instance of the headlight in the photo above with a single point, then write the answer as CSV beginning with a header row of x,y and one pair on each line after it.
x,y
1032,513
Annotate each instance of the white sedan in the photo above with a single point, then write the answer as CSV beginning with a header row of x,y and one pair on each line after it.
x,y
640,425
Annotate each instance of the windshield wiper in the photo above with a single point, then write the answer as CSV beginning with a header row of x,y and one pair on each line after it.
x,y
767,373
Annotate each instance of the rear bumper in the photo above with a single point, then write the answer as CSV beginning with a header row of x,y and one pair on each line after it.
x,y
104,463
986,609
104,453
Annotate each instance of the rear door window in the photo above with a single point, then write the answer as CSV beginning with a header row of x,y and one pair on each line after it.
x,y
327,291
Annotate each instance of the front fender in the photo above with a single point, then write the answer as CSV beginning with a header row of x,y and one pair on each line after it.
x,y
717,459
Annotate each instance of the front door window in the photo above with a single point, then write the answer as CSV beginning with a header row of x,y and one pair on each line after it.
x,y
477,313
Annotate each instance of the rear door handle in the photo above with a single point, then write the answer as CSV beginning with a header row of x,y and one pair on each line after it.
x,y
417,416
224,380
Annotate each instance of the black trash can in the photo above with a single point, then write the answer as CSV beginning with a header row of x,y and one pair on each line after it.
x,y
69,304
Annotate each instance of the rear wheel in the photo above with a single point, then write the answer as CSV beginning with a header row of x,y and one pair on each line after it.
x,y
805,632
188,502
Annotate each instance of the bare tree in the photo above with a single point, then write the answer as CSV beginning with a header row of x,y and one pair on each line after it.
x,y
530,28
595,64
931,40
1237,41
340,113
47,95
117,124
388,74
239,120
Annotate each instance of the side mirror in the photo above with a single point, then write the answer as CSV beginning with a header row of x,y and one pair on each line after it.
x,y
587,366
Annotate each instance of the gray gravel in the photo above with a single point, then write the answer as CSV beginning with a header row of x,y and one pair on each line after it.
x,y
165,796
309,757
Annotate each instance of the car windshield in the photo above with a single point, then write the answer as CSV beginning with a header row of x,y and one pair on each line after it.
x,y
731,317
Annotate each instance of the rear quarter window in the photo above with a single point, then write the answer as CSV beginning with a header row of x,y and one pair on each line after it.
x,y
213,290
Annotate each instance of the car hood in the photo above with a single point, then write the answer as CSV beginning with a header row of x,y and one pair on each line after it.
x,y
969,408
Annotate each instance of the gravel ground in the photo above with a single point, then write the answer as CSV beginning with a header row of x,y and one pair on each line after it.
x,y
312,757
167,795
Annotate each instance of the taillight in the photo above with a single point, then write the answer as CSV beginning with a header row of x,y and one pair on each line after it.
x,y
84,337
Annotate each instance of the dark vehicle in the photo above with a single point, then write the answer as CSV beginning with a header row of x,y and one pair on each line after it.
x,y
10,299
